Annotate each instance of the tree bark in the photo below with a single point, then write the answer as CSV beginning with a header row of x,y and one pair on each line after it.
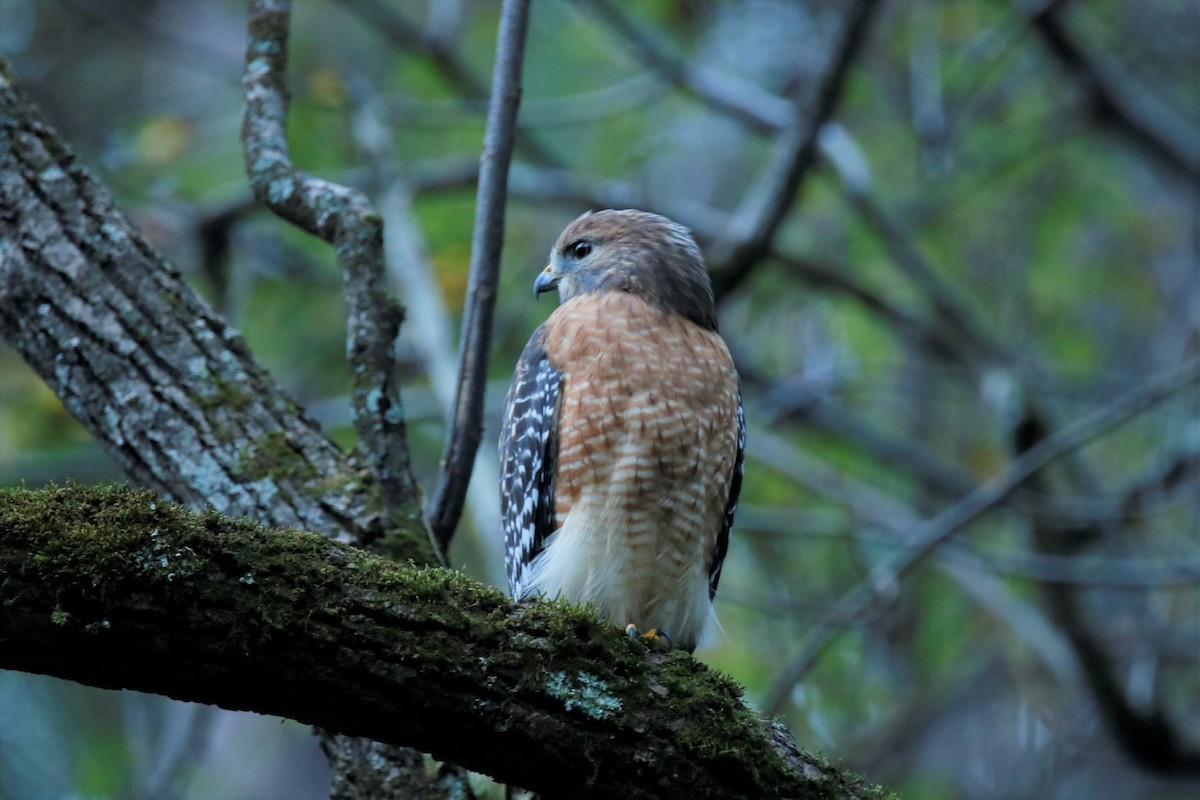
x,y
121,589
155,374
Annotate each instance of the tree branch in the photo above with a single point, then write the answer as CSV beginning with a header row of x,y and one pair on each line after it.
x,y
934,532
466,424
1118,102
147,366
750,104
123,590
767,204
1146,731
343,217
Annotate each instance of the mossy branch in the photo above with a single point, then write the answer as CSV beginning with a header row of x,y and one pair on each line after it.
x,y
118,588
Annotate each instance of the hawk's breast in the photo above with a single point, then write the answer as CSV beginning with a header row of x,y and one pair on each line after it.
x,y
647,439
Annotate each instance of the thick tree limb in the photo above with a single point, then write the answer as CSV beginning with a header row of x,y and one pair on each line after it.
x,y
146,365
487,240
123,590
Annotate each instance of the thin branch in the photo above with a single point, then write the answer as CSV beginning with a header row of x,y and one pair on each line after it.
x,y
767,204
343,217
751,231
124,590
1143,729
405,34
747,102
428,321
1117,101
1093,572
792,401
955,329
487,240
927,537
950,311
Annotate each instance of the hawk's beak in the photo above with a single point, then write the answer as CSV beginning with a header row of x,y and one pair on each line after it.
x,y
547,280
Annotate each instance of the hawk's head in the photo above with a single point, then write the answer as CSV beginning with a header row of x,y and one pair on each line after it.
x,y
635,252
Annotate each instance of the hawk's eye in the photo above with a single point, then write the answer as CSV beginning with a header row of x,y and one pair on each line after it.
x,y
579,249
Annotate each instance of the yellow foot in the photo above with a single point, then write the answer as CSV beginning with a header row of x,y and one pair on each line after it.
x,y
652,635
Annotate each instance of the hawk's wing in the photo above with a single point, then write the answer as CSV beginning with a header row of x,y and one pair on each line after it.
x,y
735,488
528,455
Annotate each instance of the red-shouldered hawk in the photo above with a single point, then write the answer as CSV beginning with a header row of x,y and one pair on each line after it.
x,y
623,436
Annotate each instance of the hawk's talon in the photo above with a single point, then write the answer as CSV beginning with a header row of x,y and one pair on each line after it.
x,y
652,635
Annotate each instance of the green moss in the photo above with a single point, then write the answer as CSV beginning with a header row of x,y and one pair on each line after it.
x,y
105,548
408,544
224,394
273,456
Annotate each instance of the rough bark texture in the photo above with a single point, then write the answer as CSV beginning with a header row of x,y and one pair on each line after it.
x,y
121,589
147,366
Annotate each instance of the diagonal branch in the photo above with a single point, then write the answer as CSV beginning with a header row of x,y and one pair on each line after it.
x,y
745,101
343,217
466,424
766,205
1117,101
121,589
403,33
159,378
938,530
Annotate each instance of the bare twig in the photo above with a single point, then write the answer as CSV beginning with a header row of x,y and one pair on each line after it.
x,y
792,401
765,206
466,424
950,310
930,535
447,60
742,100
1144,729
343,217
1118,102
428,322
955,329
1093,572
751,231
405,34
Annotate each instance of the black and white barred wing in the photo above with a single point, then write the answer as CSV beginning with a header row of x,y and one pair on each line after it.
x,y
735,489
528,450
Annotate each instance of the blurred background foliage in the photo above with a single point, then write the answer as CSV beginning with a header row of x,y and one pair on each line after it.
x,y
980,237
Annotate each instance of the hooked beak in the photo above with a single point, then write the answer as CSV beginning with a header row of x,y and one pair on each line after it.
x,y
547,280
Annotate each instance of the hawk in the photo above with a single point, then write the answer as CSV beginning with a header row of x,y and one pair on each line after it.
x,y
623,436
